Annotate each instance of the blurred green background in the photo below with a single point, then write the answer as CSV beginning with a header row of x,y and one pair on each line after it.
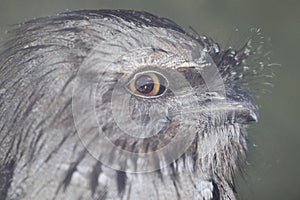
x,y
272,170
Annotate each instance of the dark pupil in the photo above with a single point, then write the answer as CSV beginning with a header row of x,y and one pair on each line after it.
x,y
144,84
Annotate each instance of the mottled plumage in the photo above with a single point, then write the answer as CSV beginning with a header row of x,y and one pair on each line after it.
x,y
56,66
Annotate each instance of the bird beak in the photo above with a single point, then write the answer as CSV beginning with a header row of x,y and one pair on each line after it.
x,y
238,112
238,106
234,110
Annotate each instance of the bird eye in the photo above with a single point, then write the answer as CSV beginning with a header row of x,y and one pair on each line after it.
x,y
148,84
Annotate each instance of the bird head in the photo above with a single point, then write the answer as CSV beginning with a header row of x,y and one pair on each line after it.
x,y
157,94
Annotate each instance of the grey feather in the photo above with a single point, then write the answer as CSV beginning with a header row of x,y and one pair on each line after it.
x,y
50,149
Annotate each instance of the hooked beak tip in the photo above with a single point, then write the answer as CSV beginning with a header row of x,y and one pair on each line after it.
x,y
253,116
